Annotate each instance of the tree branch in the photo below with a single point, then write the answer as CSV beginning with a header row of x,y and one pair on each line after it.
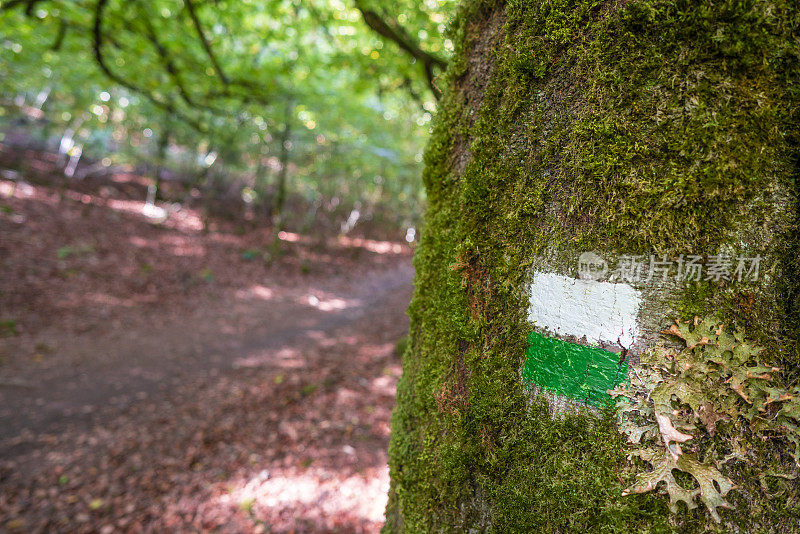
x,y
97,33
60,36
171,67
29,5
204,41
390,29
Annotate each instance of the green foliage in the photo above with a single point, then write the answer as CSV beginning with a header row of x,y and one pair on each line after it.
x,y
247,505
65,252
401,346
223,81
207,275
250,254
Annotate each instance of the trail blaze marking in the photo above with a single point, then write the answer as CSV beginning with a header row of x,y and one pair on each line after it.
x,y
589,310
575,371
598,311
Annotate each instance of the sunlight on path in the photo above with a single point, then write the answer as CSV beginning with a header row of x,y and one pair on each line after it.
x,y
315,495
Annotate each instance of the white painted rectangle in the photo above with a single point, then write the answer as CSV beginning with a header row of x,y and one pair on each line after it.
x,y
598,311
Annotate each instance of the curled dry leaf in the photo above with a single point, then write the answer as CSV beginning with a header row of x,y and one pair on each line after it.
x,y
709,417
672,436
673,330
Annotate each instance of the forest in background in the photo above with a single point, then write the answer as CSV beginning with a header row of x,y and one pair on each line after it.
x,y
240,107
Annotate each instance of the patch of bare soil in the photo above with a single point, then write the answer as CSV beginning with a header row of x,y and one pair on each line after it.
x,y
158,378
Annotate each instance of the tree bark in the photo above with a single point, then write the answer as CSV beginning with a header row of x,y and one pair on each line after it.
x,y
649,128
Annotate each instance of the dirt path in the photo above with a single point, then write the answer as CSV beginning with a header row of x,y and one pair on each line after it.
x,y
283,427
160,380
151,359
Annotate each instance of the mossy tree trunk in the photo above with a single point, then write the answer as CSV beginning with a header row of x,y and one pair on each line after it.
x,y
625,127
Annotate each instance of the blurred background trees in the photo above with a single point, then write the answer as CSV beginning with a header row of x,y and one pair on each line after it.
x,y
323,105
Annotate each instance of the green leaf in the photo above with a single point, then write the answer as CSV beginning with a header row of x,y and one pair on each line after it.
x,y
65,252
8,328
250,254
247,505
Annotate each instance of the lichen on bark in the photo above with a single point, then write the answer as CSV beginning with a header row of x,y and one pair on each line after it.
x,y
639,126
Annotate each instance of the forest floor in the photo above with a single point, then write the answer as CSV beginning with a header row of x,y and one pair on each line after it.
x,y
154,377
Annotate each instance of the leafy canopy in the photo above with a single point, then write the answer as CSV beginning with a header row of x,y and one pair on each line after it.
x,y
354,82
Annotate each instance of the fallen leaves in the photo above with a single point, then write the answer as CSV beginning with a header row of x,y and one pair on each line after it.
x,y
232,453
293,441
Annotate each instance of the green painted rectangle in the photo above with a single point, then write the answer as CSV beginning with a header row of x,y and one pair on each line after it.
x,y
575,371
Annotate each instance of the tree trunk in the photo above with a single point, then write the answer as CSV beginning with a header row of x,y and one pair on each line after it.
x,y
280,185
161,161
261,187
574,139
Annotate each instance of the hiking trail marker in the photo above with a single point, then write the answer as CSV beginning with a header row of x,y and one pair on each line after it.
x,y
594,314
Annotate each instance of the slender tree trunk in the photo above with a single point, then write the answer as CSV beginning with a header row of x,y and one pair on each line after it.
x,y
161,159
205,183
573,140
280,180
261,187
66,145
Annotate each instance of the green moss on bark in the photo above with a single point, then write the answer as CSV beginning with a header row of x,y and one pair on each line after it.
x,y
629,127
